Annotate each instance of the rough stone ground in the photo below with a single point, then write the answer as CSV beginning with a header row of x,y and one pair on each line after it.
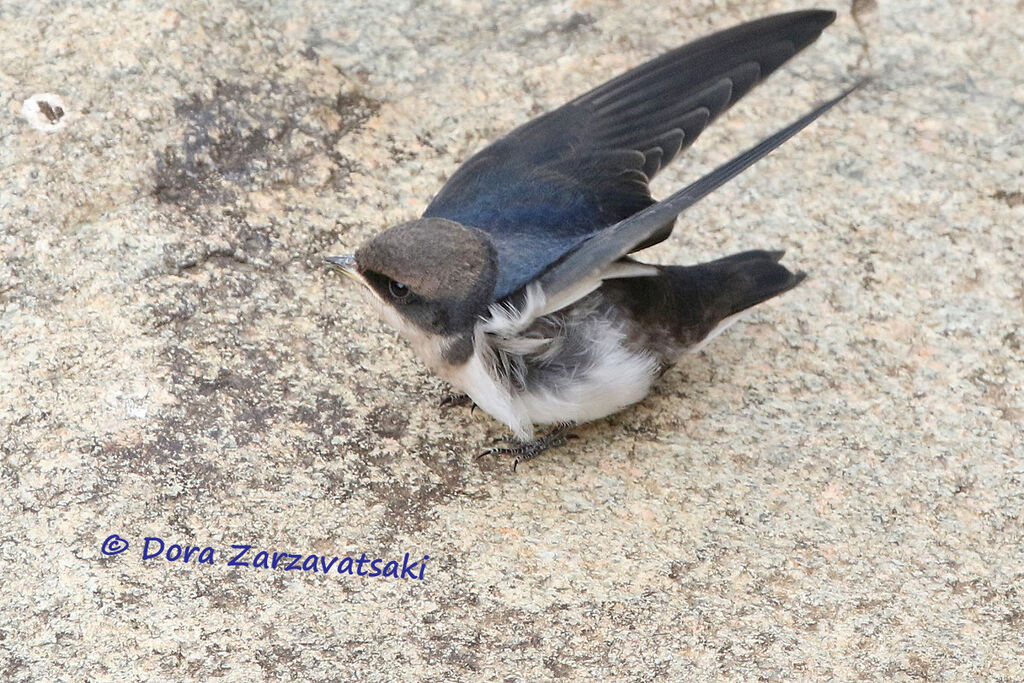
x,y
833,490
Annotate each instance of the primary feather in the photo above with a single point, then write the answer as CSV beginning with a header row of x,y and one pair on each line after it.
x,y
593,255
548,186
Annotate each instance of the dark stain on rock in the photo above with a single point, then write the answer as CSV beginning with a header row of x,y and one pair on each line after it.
x,y
324,414
410,508
388,422
169,456
557,667
234,393
222,140
242,137
573,24
15,666
176,312
1011,199
232,591
279,661
858,8
226,253
231,404
354,109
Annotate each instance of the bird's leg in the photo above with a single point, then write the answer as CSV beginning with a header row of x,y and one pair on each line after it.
x,y
452,399
528,450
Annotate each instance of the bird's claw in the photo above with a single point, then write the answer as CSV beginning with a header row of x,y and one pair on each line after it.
x,y
528,450
451,400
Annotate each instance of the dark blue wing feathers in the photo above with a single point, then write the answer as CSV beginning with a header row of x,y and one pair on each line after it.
x,y
607,246
540,191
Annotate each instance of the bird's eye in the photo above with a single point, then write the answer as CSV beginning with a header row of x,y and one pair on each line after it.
x,y
398,290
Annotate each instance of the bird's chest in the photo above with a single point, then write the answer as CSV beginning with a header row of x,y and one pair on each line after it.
x,y
575,368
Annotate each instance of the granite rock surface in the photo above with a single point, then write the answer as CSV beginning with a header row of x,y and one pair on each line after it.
x,y
834,489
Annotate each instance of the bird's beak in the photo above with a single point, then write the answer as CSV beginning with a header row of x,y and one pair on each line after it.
x,y
347,265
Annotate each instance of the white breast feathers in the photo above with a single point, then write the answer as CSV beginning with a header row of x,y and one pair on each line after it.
x,y
531,366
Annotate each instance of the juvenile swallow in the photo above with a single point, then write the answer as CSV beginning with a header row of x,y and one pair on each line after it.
x,y
517,285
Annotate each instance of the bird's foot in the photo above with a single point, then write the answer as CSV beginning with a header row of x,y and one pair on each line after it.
x,y
528,450
451,400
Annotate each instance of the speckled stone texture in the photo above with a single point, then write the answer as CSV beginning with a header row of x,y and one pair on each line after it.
x,y
834,489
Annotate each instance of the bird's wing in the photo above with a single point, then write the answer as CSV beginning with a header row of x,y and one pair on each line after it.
x,y
582,269
551,183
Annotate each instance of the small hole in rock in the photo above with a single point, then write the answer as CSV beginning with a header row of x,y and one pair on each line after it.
x,y
53,113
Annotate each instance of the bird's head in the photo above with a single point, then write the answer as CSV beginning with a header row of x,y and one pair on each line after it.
x,y
430,276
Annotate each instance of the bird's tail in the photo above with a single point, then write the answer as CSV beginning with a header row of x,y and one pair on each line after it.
x,y
727,286
682,308
711,296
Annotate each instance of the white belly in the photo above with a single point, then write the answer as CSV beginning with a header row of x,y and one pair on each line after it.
x,y
611,378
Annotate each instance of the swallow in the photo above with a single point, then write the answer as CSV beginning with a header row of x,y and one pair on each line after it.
x,y
517,284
